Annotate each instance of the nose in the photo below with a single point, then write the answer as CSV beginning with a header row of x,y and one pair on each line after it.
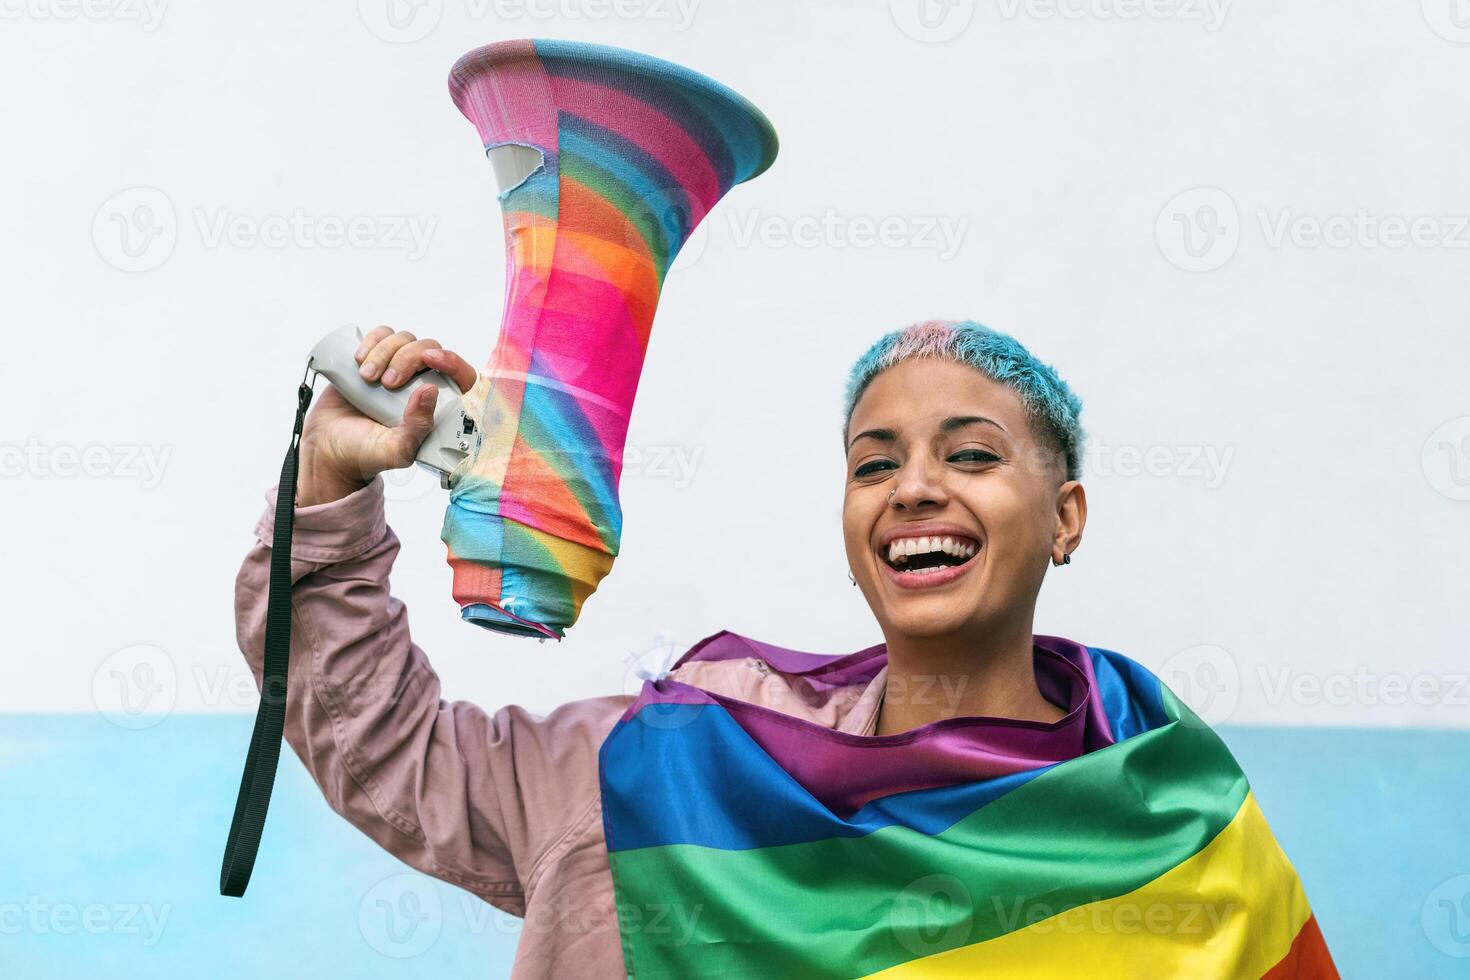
x,y
919,482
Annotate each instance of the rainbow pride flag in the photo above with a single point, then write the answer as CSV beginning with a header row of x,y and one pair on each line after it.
x,y
1120,842
635,152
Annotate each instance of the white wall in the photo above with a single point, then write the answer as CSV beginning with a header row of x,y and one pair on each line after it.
x,y
1303,518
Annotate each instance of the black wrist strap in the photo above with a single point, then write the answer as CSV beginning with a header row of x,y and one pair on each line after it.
x,y
270,718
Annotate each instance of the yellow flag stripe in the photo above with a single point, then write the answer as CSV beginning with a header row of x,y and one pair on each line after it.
x,y
1231,910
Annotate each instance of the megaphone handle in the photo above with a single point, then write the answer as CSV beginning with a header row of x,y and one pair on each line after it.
x,y
333,360
450,440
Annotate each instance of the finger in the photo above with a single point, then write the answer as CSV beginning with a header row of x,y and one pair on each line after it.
x,y
377,359
452,366
370,341
418,420
407,361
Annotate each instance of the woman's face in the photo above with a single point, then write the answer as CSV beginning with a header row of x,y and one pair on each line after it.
x,y
936,451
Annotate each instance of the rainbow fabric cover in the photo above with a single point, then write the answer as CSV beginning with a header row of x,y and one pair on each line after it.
x,y
636,151
1122,841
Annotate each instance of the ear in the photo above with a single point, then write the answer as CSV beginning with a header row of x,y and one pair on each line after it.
x,y
1071,518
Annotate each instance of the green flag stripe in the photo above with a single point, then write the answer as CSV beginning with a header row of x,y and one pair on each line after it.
x,y
1091,828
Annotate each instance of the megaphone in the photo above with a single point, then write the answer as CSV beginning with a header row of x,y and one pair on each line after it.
x,y
607,160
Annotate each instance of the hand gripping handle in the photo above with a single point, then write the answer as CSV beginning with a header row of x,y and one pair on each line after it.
x,y
452,436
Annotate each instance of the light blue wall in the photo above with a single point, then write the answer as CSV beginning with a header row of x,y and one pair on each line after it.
x,y
110,846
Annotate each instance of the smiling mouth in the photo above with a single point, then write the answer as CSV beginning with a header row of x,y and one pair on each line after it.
x,y
928,555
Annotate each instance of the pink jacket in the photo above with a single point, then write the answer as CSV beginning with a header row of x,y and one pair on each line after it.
x,y
504,804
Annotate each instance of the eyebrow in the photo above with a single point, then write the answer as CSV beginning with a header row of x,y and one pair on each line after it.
x,y
948,425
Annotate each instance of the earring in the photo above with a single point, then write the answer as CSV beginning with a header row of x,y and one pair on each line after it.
x,y
1066,560
850,578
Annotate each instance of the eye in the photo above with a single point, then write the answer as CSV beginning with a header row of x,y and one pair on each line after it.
x,y
975,456
869,468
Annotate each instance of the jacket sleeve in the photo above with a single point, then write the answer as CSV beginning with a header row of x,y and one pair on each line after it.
x,y
474,798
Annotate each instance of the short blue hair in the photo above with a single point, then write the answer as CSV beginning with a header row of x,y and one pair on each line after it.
x,y
1051,406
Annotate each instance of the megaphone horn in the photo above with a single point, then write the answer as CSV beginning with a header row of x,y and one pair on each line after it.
x,y
607,161
633,153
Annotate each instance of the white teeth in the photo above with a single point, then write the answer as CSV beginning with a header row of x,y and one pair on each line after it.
x,y
903,548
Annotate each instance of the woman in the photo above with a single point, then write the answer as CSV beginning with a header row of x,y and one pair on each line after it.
x,y
965,798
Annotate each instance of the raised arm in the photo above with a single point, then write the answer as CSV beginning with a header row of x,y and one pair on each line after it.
x,y
433,782
467,796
